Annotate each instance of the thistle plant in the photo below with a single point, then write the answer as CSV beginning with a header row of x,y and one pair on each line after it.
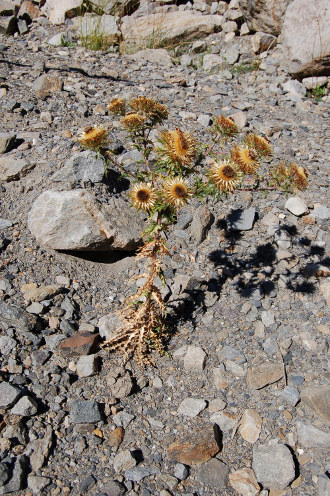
x,y
175,169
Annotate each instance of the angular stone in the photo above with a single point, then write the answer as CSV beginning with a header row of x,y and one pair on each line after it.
x,y
296,206
273,465
306,45
314,82
7,345
171,27
8,395
8,25
225,420
123,419
26,407
201,223
191,407
59,10
180,471
41,449
124,461
290,395
122,387
87,365
214,473
108,324
194,359
264,15
81,343
75,220
6,141
28,9
317,398
42,293
241,220
250,426
264,374
12,169
37,483
158,56
115,437
82,167
18,475
197,449
13,316
239,118
262,42
244,482
105,25
136,474
46,84
84,412
312,437
211,61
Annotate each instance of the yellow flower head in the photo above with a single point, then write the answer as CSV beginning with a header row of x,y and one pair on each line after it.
x,y
299,176
259,144
176,191
117,106
143,196
133,121
246,159
93,137
178,146
225,175
226,125
149,107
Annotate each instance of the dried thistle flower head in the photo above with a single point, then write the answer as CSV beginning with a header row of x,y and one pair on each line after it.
x,y
259,143
132,122
225,175
176,192
179,146
246,159
226,126
143,196
150,108
299,176
94,137
117,106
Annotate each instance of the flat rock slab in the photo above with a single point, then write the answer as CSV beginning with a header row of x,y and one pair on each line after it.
x,y
214,473
12,169
84,412
264,374
244,482
241,220
43,293
317,398
195,450
82,167
75,220
13,316
273,465
312,437
47,84
81,343
6,141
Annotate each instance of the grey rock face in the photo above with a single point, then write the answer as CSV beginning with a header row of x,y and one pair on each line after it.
x,y
84,412
82,167
306,44
310,436
75,220
26,407
6,141
241,220
138,473
264,15
7,344
318,400
47,84
12,316
202,220
8,395
273,465
214,473
18,475
12,168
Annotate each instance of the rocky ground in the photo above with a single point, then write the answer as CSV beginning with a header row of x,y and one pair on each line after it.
x,y
242,403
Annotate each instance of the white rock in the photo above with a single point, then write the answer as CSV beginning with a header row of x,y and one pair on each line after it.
x,y
296,206
226,421
191,407
267,318
250,426
194,359
57,9
123,461
87,365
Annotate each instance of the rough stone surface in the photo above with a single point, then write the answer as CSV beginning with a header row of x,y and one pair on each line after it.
x,y
318,400
307,43
270,474
8,395
296,206
81,343
214,473
250,426
124,461
244,482
6,141
264,374
310,436
264,15
241,220
84,412
47,84
26,407
191,407
194,359
74,220
12,169
14,316
105,24
195,451
202,221
58,10
82,167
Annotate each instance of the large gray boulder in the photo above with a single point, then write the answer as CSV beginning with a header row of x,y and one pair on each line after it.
x,y
168,27
75,220
306,38
264,15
